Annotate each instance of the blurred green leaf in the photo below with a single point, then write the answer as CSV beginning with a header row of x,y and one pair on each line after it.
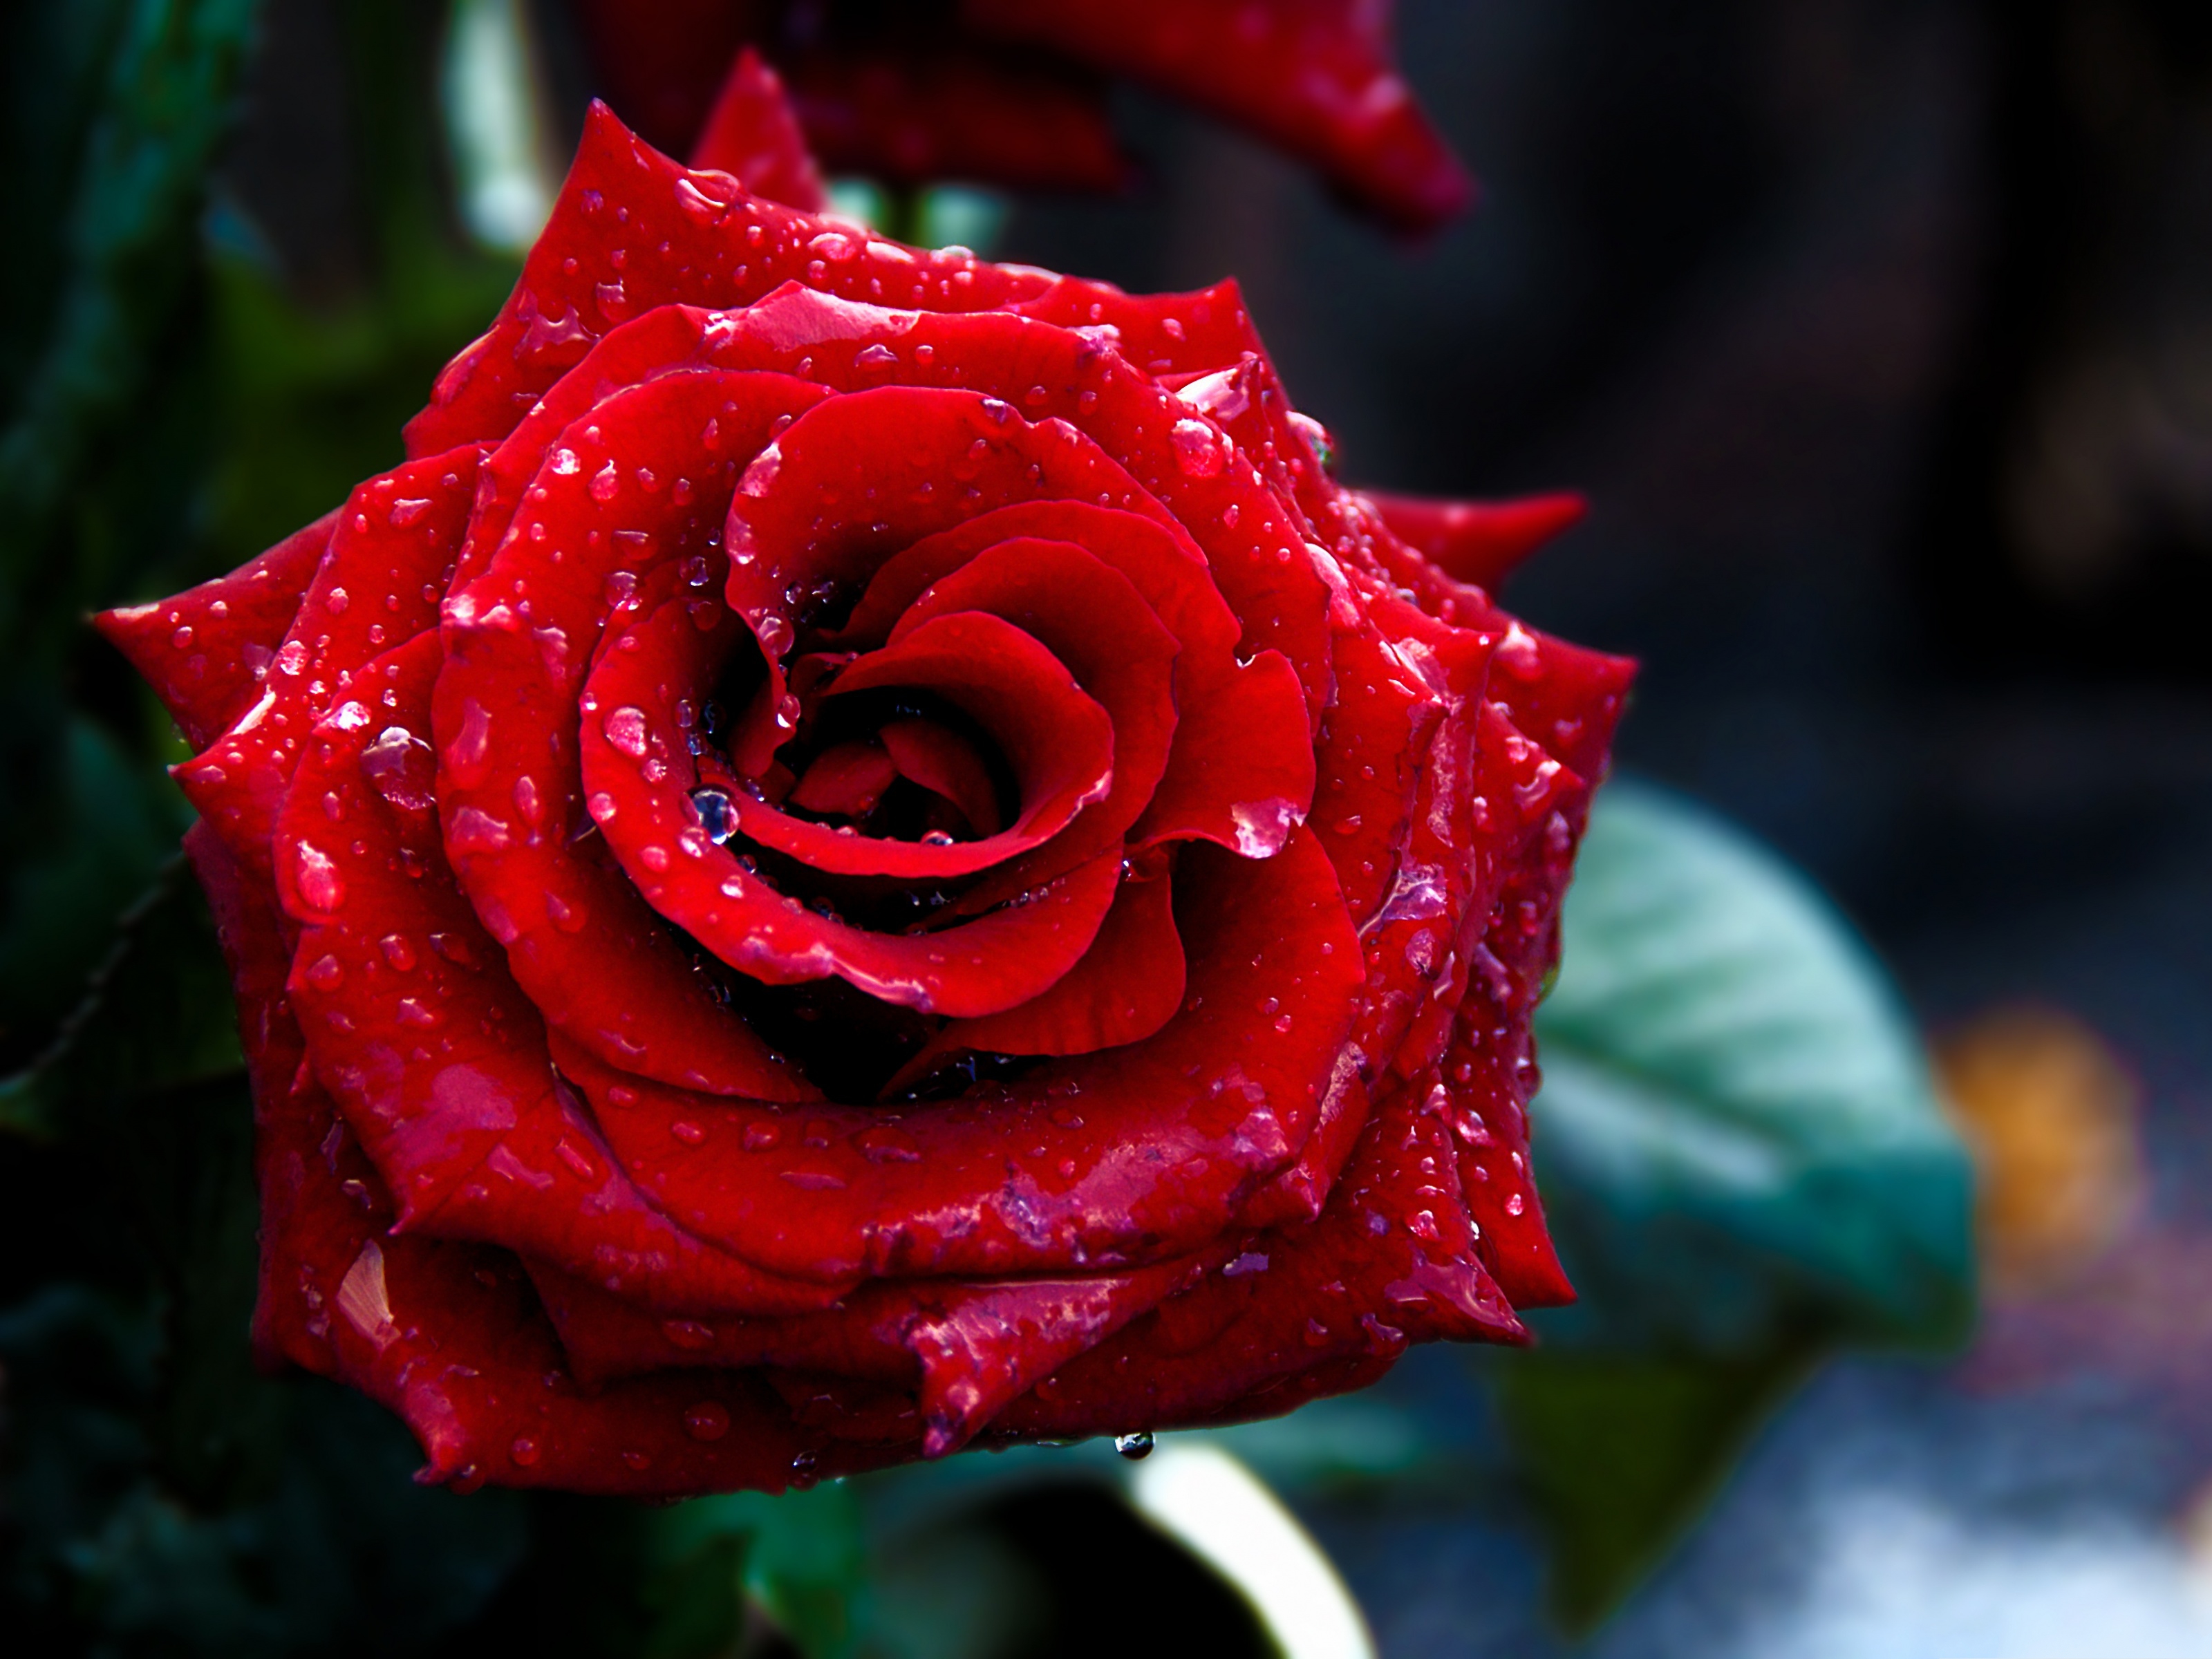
x,y
1737,1128
1621,1452
1745,1167
126,256
339,1552
802,1557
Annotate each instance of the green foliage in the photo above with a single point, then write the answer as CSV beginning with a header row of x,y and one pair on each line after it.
x,y
1621,1453
1736,1126
1745,1167
115,111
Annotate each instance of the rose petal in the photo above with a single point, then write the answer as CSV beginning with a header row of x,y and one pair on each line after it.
x,y
1129,984
1093,620
1390,1260
630,220
1478,543
292,1118
205,651
980,967
1060,743
965,1349
914,112
633,486
1109,1159
844,781
377,587
946,764
751,134
863,475
437,1061
1240,737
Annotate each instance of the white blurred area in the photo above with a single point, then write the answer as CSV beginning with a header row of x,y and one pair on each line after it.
x,y
497,124
1223,1513
1897,1576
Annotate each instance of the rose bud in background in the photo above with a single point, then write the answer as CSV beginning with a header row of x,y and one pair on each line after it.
x,y
1012,93
862,852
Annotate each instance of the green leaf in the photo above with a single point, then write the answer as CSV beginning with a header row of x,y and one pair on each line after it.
x,y
1737,1131
1744,1165
127,257
1621,1453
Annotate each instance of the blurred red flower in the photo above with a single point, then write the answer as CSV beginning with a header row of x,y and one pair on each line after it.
x,y
1012,92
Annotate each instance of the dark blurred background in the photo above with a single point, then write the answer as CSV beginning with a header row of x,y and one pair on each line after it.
x,y
1878,333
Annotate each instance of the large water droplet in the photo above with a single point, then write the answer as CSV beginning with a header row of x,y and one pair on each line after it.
x,y
718,815
316,875
625,729
1200,451
1134,1447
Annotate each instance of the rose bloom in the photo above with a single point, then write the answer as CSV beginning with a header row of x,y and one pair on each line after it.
x,y
862,853
1013,92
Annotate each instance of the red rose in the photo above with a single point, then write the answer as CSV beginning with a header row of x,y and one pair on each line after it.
x,y
1012,92
863,850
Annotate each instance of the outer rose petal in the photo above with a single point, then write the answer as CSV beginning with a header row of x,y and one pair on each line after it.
x,y
751,135
1478,543
1391,1258
438,1063
205,651
965,1349
395,539
292,1119
631,230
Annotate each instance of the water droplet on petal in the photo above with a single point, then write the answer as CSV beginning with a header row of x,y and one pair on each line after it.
x,y
1200,451
718,815
316,876
707,1420
1134,1447
625,729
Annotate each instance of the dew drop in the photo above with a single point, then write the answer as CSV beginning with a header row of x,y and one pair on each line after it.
x,y
1198,449
524,1450
316,877
401,768
1135,1447
625,730
718,817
